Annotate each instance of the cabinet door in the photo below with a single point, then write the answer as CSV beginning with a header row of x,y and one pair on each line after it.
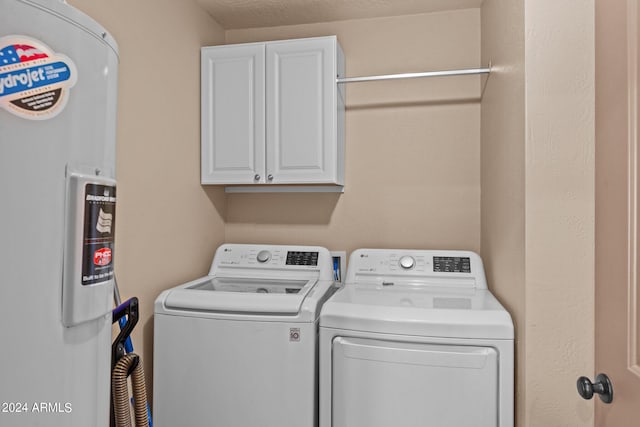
x,y
233,117
301,111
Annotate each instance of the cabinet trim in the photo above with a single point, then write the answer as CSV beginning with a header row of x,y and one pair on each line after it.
x,y
285,189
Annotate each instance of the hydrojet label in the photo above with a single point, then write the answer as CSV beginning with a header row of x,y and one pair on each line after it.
x,y
34,81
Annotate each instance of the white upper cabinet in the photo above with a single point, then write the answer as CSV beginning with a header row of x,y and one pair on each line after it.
x,y
233,131
272,113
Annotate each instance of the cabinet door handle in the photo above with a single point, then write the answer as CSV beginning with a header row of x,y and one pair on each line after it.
x,y
270,177
256,177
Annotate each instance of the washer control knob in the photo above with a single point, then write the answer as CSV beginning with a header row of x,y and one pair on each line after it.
x,y
263,256
407,262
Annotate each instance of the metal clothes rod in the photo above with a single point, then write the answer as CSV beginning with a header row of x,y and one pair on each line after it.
x,y
462,72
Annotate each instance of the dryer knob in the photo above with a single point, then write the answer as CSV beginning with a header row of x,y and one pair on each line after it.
x,y
407,262
263,256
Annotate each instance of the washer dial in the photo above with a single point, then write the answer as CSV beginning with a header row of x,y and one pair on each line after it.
x,y
263,256
407,262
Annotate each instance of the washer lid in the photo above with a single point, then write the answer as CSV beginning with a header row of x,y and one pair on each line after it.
x,y
241,295
419,311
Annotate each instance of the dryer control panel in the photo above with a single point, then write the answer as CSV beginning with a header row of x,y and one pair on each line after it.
x,y
444,268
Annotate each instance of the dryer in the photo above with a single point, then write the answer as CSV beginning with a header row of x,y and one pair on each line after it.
x,y
238,347
415,338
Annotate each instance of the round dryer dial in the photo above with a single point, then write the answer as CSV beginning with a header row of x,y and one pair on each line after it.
x,y
407,262
263,256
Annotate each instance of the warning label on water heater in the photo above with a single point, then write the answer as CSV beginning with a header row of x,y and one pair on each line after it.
x,y
99,232
34,80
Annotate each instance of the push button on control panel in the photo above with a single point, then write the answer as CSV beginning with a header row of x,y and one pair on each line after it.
x,y
407,262
263,256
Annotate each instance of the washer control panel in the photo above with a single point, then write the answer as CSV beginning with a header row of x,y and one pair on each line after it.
x,y
273,257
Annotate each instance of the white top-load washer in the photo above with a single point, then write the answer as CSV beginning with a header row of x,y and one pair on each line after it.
x,y
415,338
239,347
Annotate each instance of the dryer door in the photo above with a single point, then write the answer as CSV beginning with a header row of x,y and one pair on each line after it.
x,y
386,383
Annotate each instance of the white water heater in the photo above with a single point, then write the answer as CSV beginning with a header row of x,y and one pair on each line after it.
x,y
58,87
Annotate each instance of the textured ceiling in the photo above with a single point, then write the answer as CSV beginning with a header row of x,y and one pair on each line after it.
x,y
233,14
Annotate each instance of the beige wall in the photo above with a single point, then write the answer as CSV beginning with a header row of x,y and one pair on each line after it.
x,y
167,225
502,168
559,51
412,147
538,196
